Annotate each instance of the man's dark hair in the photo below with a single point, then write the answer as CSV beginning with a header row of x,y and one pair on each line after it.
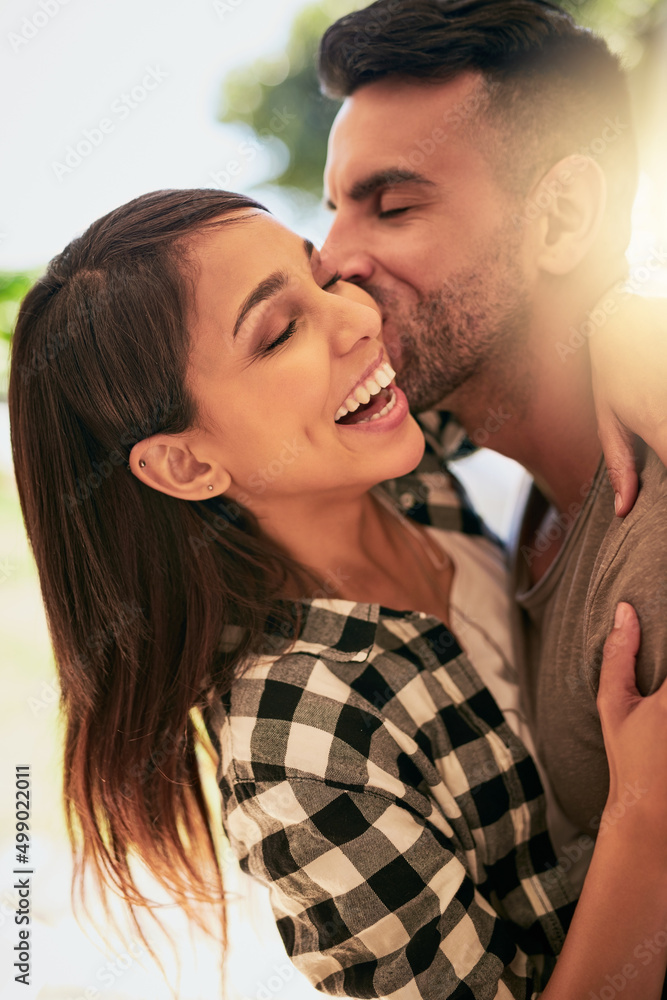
x,y
552,87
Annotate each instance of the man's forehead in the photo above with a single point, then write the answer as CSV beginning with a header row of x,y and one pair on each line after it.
x,y
385,123
404,101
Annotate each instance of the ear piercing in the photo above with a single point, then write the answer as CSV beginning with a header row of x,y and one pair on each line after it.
x,y
142,465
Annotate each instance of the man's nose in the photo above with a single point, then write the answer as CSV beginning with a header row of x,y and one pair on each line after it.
x,y
342,253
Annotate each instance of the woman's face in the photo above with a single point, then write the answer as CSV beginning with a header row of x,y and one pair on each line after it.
x,y
281,351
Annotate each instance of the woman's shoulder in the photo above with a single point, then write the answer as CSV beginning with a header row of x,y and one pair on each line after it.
x,y
297,720
374,689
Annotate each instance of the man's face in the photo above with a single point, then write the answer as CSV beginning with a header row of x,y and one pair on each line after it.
x,y
422,223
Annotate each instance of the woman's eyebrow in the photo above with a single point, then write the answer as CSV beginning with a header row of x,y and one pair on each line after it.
x,y
266,289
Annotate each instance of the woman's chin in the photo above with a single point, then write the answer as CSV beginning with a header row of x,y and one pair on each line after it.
x,y
412,452
402,456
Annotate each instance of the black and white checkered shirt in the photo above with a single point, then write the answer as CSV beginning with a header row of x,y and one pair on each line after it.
x,y
369,780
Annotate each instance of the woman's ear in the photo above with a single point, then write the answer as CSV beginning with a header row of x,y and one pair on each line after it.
x,y
166,462
572,198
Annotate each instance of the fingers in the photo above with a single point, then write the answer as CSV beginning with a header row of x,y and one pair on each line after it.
x,y
618,446
618,690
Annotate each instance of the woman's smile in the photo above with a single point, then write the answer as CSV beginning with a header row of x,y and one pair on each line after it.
x,y
375,403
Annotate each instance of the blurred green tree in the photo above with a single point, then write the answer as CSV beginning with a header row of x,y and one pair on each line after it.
x,y
258,93
13,286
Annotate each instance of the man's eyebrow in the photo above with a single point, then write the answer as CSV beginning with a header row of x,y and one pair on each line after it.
x,y
267,288
383,178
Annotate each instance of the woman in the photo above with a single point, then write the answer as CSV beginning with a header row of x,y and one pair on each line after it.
x,y
196,467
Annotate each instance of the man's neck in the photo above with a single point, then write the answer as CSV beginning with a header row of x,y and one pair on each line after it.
x,y
541,413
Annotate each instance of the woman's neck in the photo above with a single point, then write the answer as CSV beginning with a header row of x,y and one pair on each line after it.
x,y
332,537
359,551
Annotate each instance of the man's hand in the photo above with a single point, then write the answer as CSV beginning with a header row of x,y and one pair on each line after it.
x,y
629,361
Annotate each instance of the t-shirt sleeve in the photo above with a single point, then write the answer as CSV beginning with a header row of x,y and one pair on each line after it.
x,y
637,574
370,898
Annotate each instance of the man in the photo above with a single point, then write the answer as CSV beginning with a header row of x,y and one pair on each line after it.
x,y
482,171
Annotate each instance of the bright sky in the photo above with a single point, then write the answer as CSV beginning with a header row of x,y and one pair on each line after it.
x,y
67,66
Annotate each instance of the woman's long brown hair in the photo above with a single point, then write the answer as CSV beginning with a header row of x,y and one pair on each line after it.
x,y
138,586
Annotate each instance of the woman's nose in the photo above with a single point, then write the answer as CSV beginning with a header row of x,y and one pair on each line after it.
x,y
358,318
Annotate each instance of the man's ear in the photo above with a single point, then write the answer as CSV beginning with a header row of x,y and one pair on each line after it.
x,y
572,197
167,463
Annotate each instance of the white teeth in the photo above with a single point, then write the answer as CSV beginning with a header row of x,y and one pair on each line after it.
x,y
382,377
390,405
383,412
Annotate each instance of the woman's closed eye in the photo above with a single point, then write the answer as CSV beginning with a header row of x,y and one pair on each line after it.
x,y
333,280
288,332
291,327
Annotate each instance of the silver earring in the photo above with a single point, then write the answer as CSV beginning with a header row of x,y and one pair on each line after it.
x,y
142,464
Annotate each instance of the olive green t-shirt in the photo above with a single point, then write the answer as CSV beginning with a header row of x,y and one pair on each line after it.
x,y
564,619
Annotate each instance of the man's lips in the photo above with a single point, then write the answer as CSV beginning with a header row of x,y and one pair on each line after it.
x,y
392,343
